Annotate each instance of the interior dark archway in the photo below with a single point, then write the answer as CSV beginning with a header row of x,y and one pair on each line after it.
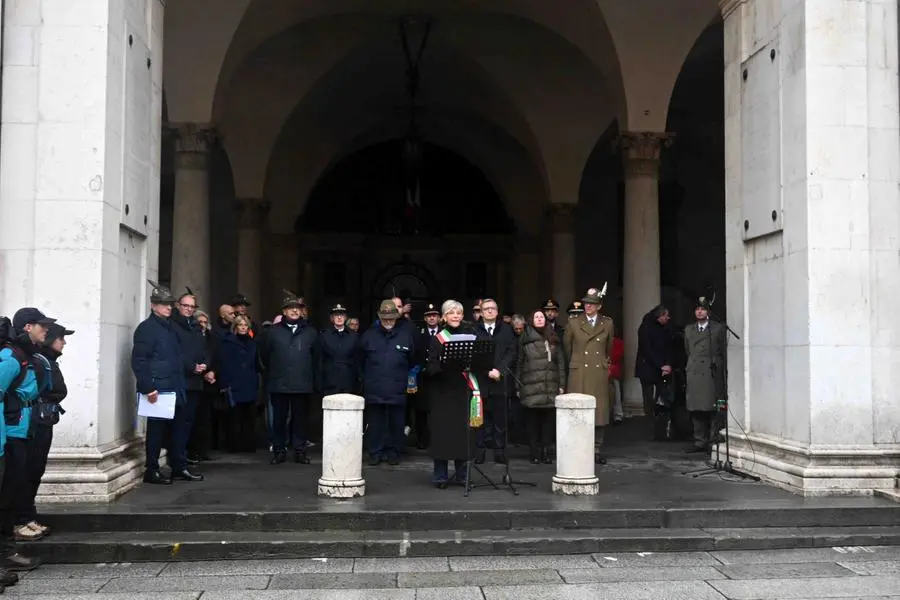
x,y
366,193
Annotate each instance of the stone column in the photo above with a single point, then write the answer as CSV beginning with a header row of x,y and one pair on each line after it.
x,y
253,214
342,431
575,446
641,290
812,219
190,229
562,218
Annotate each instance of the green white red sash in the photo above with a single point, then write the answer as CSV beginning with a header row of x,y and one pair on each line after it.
x,y
476,406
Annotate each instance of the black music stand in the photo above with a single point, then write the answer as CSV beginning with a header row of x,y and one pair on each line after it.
x,y
469,355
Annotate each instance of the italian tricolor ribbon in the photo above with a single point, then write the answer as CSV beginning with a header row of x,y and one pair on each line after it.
x,y
476,406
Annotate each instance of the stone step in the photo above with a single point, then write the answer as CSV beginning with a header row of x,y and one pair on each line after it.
x,y
160,546
70,519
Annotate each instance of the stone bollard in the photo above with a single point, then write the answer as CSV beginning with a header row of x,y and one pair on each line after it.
x,y
342,434
575,446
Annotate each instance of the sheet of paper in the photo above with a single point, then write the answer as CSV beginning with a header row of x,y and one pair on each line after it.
x,y
163,408
463,337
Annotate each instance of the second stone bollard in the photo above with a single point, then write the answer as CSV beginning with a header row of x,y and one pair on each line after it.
x,y
342,432
575,446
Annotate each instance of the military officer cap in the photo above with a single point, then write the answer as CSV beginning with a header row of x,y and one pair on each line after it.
x,y
291,300
338,308
594,296
160,294
239,300
550,304
431,309
576,308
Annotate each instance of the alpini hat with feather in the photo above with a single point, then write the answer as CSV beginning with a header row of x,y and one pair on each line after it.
x,y
160,294
594,295
291,300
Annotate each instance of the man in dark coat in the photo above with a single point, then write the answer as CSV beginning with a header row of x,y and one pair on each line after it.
x,y
197,360
705,344
339,356
653,362
421,398
387,353
289,355
159,366
495,393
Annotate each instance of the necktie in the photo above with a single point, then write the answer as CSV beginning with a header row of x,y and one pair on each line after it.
x,y
491,330
432,332
592,322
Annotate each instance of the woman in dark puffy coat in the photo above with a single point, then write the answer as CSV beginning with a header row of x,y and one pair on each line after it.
x,y
238,376
541,374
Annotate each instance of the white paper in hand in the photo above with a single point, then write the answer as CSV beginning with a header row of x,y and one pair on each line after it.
x,y
163,408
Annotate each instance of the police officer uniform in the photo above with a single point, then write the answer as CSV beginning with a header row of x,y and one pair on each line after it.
x,y
340,357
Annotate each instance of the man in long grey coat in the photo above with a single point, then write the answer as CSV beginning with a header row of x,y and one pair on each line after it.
x,y
705,345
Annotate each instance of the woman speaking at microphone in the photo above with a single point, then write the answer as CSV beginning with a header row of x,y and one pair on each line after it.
x,y
451,395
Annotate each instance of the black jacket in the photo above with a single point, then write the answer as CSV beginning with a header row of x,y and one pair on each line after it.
x,y
194,350
504,339
290,358
654,349
340,366
57,391
156,358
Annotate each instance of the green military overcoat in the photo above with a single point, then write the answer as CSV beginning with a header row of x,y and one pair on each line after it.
x,y
705,371
588,349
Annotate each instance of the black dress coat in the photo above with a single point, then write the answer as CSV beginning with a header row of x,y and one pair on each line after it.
x,y
339,357
504,339
449,395
654,349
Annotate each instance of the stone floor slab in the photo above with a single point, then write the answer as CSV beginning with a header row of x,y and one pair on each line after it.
x,y
656,559
187,584
831,587
135,596
737,557
258,567
400,565
499,563
394,594
334,581
460,593
640,574
675,590
785,571
45,587
872,567
100,571
477,578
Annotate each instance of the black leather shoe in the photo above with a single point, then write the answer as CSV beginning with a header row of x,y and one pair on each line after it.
x,y
374,461
278,457
480,456
8,579
156,478
186,475
545,457
17,562
300,457
394,461
500,457
599,460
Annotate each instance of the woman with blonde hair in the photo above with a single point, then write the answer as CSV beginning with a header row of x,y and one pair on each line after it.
x,y
238,374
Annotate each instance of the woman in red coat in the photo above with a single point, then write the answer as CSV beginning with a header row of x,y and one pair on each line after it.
x,y
615,379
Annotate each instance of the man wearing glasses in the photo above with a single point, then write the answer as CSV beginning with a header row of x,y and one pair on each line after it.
x,y
495,405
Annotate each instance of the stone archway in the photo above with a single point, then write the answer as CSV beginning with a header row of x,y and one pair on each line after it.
x,y
408,280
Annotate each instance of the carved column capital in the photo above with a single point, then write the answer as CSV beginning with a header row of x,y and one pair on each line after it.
x,y
640,152
253,213
193,141
562,217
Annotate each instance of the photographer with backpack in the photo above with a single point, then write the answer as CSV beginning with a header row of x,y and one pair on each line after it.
x,y
24,376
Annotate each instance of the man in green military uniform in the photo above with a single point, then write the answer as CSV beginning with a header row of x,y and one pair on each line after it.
x,y
704,343
588,344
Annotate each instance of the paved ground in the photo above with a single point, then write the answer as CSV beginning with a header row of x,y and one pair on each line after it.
x,y
861,573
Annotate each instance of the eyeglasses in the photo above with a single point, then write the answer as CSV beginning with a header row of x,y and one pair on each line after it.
x,y
488,308
190,306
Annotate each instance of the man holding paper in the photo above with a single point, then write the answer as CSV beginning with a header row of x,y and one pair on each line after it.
x,y
158,366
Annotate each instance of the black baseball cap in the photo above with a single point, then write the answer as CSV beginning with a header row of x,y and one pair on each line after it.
x,y
30,315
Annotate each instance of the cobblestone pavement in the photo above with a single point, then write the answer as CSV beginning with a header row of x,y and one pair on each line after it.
x,y
853,572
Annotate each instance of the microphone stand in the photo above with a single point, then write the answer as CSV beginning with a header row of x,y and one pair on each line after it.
x,y
718,465
507,478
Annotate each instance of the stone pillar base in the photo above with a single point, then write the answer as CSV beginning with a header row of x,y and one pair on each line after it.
x,y
817,471
571,486
346,488
93,474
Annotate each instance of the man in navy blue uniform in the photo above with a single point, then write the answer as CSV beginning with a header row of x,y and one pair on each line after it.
x,y
387,353
159,366
340,355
